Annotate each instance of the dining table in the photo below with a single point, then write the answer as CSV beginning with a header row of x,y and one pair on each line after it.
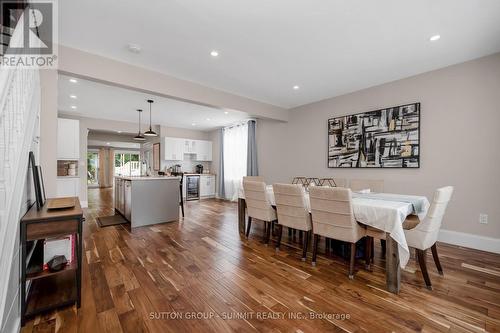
x,y
383,211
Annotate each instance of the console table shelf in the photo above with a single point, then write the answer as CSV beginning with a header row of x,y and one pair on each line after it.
x,y
42,290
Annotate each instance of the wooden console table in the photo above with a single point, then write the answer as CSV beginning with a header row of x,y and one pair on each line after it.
x,y
49,290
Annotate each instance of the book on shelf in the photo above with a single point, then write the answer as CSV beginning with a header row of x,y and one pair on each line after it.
x,y
59,246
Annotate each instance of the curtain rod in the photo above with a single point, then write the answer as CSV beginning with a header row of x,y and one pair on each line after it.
x,y
243,122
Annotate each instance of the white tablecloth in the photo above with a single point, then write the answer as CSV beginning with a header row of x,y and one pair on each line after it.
x,y
386,215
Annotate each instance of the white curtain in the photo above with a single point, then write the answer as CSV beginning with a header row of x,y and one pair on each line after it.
x,y
235,159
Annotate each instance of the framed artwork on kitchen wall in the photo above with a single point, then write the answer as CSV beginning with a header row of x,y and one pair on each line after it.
x,y
156,156
384,138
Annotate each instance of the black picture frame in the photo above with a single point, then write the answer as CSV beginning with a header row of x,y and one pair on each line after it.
x,y
40,176
36,181
416,158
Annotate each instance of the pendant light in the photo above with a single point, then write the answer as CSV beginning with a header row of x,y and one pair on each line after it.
x,y
150,132
139,136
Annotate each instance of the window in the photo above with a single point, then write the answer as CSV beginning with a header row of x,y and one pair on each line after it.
x,y
235,158
92,168
127,164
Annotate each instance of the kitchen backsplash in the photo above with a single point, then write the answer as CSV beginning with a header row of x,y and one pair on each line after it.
x,y
188,165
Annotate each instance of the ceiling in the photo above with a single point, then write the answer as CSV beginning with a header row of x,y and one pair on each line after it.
x,y
327,47
97,100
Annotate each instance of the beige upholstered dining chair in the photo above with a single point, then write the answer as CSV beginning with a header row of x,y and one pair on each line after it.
x,y
293,212
425,234
333,217
259,207
362,184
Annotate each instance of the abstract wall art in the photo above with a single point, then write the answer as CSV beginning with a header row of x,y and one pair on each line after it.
x,y
385,138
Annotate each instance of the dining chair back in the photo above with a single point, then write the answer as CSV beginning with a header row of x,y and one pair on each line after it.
x,y
425,234
375,185
293,212
259,207
332,213
253,178
257,202
333,217
291,206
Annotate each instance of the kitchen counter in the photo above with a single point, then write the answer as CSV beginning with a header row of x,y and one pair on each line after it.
x,y
148,177
147,200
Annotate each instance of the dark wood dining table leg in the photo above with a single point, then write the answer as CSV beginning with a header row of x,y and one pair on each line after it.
x,y
241,215
393,273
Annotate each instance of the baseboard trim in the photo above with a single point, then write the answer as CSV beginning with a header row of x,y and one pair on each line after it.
x,y
84,204
477,242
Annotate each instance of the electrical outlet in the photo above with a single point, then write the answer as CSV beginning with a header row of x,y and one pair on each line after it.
x,y
483,218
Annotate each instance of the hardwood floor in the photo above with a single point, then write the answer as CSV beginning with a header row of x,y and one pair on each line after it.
x,y
144,280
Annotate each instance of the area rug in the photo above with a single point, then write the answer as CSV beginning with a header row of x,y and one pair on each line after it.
x,y
107,221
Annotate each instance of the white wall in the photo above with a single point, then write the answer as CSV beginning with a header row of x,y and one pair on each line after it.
x,y
460,131
48,130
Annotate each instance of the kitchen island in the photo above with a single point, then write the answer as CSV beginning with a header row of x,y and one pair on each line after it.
x,y
147,200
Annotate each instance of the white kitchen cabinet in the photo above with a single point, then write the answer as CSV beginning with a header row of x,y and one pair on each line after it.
x,y
204,150
174,149
184,186
68,187
190,146
128,199
68,139
119,195
207,185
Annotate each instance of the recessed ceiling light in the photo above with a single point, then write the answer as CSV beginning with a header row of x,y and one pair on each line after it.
x,y
296,87
214,53
73,107
73,80
108,143
134,48
193,124
435,38
208,119
225,112
72,96
118,131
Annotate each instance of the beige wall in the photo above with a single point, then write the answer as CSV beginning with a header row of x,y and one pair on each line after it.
x,y
460,129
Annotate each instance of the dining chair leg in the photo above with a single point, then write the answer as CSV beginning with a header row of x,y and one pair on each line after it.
x,y
294,234
372,251
423,267
301,237
436,259
272,228
382,244
351,261
305,245
289,233
280,233
327,245
368,252
249,224
268,233
315,249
